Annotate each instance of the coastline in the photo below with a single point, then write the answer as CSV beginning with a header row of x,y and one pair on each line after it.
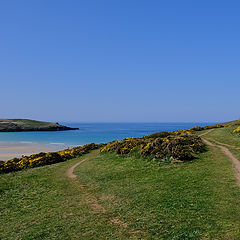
x,y
9,150
16,144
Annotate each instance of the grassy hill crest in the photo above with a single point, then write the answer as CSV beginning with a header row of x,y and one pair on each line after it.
x,y
21,125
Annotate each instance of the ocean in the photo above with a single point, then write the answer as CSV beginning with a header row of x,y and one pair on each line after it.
x,y
93,132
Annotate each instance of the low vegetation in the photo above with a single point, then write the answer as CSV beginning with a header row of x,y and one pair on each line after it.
x,y
222,125
224,135
179,145
198,128
161,199
41,159
237,130
155,200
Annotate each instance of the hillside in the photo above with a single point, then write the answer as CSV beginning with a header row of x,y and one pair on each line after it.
x,y
21,125
119,195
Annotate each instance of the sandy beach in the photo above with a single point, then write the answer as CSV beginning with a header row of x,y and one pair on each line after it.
x,y
9,150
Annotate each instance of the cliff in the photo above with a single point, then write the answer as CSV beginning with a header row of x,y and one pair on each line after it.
x,y
22,125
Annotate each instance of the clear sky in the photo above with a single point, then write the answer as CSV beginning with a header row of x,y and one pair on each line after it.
x,y
120,61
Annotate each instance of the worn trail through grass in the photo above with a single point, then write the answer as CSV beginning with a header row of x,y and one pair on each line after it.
x,y
226,151
110,196
93,201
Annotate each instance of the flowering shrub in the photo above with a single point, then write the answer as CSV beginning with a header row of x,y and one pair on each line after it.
x,y
123,147
237,130
182,145
41,159
198,128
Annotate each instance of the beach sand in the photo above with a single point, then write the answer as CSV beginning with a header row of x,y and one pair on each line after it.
x,y
9,150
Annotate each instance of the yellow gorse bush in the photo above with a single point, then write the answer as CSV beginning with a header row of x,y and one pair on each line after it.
x,y
198,128
41,159
182,145
237,130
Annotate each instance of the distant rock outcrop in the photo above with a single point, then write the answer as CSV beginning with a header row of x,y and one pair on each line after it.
x,y
22,125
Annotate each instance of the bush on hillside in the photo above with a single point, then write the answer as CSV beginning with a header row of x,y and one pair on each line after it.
x,y
158,135
198,128
181,145
41,159
237,130
123,147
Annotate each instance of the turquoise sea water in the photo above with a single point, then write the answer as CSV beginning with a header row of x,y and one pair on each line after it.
x,y
93,132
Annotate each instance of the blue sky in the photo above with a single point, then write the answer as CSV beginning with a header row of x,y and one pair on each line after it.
x,y
120,61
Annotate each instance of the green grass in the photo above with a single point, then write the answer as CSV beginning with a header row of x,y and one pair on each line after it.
x,y
42,203
183,201
193,200
224,135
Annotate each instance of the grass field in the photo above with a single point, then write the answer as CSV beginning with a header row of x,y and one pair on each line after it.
x,y
191,200
225,135
42,203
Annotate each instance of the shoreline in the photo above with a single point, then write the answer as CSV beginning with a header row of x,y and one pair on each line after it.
x,y
10,150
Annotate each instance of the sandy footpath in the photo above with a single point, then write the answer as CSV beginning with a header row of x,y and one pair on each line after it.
x,y
9,150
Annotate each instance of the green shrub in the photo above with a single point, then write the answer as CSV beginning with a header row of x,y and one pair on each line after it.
x,y
181,145
237,130
41,159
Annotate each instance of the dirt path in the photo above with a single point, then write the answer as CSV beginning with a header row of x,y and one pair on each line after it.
x,y
224,144
70,173
218,143
93,201
225,150
208,143
208,131
235,161
70,170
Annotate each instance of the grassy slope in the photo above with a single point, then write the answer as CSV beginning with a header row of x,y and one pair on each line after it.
x,y
27,123
179,201
184,201
235,122
42,203
225,136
